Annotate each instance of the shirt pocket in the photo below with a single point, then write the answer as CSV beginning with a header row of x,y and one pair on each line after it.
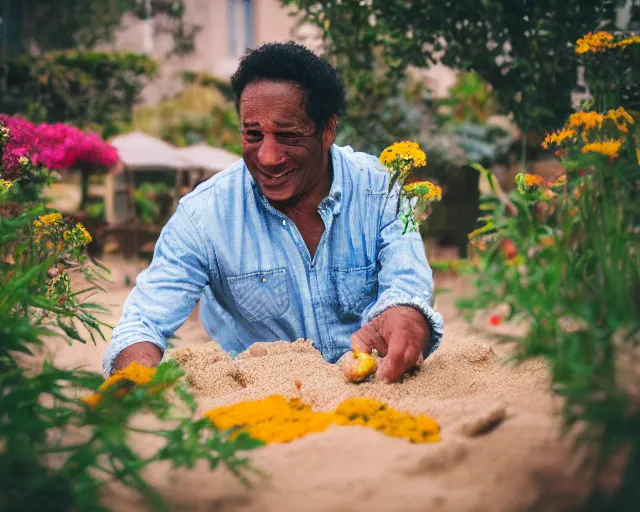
x,y
260,295
357,287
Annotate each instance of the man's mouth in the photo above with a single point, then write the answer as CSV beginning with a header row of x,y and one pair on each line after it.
x,y
278,176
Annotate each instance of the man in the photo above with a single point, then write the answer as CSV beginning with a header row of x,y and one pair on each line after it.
x,y
291,242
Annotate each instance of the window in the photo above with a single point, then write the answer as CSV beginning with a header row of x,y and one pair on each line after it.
x,y
240,23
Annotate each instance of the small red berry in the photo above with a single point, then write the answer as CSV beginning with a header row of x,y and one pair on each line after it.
x,y
495,319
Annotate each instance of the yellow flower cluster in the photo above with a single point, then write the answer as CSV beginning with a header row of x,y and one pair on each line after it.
x,y
608,148
278,420
623,43
78,234
595,42
48,220
621,118
424,189
406,151
134,373
558,137
5,185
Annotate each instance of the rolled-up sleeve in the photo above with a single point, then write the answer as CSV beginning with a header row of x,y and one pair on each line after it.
x,y
166,292
405,277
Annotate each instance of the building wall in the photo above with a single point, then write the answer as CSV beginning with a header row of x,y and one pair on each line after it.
x,y
219,47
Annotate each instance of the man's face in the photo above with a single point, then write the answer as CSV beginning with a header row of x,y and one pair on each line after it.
x,y
280,146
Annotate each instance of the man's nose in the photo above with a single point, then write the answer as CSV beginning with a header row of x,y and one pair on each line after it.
x,y
270,154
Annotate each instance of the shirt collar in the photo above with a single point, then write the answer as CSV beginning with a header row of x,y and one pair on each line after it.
x,y
332,202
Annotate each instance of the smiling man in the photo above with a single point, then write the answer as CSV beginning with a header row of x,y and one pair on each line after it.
x,y
293,241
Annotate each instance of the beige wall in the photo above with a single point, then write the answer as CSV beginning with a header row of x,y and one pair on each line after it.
x,y
271,22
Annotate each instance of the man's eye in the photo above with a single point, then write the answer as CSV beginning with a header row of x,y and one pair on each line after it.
x,y
253,135
288,137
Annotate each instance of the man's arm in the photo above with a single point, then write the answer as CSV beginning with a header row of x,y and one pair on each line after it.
x,y
164,296
402,321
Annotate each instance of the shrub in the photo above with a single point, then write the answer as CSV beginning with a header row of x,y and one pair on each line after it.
x,y
563,255
58,442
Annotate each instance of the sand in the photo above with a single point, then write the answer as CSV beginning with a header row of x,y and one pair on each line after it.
x,y
500,448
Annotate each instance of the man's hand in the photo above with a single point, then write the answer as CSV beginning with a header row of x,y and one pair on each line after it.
x,y
144,353
400,335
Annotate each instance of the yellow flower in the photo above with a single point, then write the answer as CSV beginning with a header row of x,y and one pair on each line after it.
x,y
533,181
134,372
84,235
558,137
547,241
621,118
92,400
588,120
407,151
623,43
278,420
424,189
595,42
560,181
5,185
638,155
49,219
608,148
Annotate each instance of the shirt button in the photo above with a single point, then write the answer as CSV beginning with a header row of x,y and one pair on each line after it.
x,y
264,279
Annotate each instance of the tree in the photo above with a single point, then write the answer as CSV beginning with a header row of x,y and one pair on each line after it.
x,y
80,24
523,49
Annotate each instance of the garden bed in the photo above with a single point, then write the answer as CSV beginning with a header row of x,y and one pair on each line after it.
x,y
518,464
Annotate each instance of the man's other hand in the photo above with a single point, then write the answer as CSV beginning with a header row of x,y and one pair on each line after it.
x,y
400,335
144,353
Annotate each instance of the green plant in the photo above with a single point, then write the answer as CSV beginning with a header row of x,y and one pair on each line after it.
x,y
149,201
563,255
515,46
59,443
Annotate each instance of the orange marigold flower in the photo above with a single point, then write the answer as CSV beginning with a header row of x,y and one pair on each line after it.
x,y
547,241
595,42
560,181
532,180
558,137
587,120
608,148
92,400
621,118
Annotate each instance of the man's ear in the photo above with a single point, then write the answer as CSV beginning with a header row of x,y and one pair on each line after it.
x,y
329,132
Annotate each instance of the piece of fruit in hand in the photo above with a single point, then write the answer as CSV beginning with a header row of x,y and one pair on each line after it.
x,y
358,366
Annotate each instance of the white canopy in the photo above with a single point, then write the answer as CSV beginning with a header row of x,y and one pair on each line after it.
x,y
142,151
207,157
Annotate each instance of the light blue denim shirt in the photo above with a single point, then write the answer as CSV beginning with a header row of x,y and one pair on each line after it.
x,y
227,245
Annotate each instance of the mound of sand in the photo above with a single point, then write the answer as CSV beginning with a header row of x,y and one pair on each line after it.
x,y
500,448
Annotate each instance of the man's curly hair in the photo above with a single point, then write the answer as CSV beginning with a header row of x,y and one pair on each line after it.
x,y
292,62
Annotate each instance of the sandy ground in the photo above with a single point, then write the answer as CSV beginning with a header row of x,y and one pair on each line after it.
x,y
520,464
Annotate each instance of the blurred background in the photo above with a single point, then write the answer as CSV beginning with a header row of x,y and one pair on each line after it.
x,y
472,82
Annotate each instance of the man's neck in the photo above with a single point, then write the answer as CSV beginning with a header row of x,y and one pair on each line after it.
x,y
306,206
